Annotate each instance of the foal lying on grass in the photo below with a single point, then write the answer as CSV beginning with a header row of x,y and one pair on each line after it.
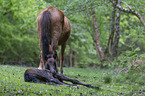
x,y
46,77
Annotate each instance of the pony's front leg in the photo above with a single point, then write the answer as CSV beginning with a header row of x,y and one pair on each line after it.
x,y
62,57
41,65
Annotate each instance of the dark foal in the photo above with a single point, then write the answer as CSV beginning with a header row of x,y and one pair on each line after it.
x,y
45,76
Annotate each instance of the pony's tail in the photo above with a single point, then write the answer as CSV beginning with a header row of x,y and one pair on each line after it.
x,y
45,33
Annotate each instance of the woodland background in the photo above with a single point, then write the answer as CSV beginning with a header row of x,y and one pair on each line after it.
x,y
105,33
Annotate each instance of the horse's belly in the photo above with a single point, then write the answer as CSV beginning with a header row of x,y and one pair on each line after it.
x,y
63,38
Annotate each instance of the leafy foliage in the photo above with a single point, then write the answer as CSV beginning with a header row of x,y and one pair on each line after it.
x,y
19,44
19,41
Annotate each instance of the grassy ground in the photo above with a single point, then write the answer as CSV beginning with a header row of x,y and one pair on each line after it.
x,y
111,81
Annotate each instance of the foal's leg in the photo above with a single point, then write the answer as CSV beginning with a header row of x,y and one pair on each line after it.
x,y
41,65
74,81
62,57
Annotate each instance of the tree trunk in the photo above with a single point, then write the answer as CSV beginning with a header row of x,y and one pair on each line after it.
x,y
71,57
117,32
92,32
112,30
99,49
74,63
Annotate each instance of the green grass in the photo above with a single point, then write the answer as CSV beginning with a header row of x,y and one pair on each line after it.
x,y
111,81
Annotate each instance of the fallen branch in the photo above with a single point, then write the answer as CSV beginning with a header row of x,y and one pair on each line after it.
x,y
129,11
46,77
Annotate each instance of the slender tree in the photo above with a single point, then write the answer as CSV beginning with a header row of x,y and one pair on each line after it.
x,y
117,32
112,30
97,33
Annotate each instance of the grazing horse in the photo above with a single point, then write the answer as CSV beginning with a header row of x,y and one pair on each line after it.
x,y
53,29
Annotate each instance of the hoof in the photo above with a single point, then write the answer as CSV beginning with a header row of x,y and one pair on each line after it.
x,y
40,68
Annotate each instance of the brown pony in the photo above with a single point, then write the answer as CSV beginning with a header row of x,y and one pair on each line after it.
x,y
53,29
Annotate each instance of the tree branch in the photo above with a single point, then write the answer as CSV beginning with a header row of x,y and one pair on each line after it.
x,y
129,11
126,5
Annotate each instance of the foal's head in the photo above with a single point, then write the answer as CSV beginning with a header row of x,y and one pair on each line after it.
x,y
51,64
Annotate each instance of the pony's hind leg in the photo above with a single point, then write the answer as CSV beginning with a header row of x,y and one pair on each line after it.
x,y
62,57
41,65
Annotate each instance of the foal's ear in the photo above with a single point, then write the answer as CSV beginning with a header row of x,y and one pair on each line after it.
x,y
55,55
